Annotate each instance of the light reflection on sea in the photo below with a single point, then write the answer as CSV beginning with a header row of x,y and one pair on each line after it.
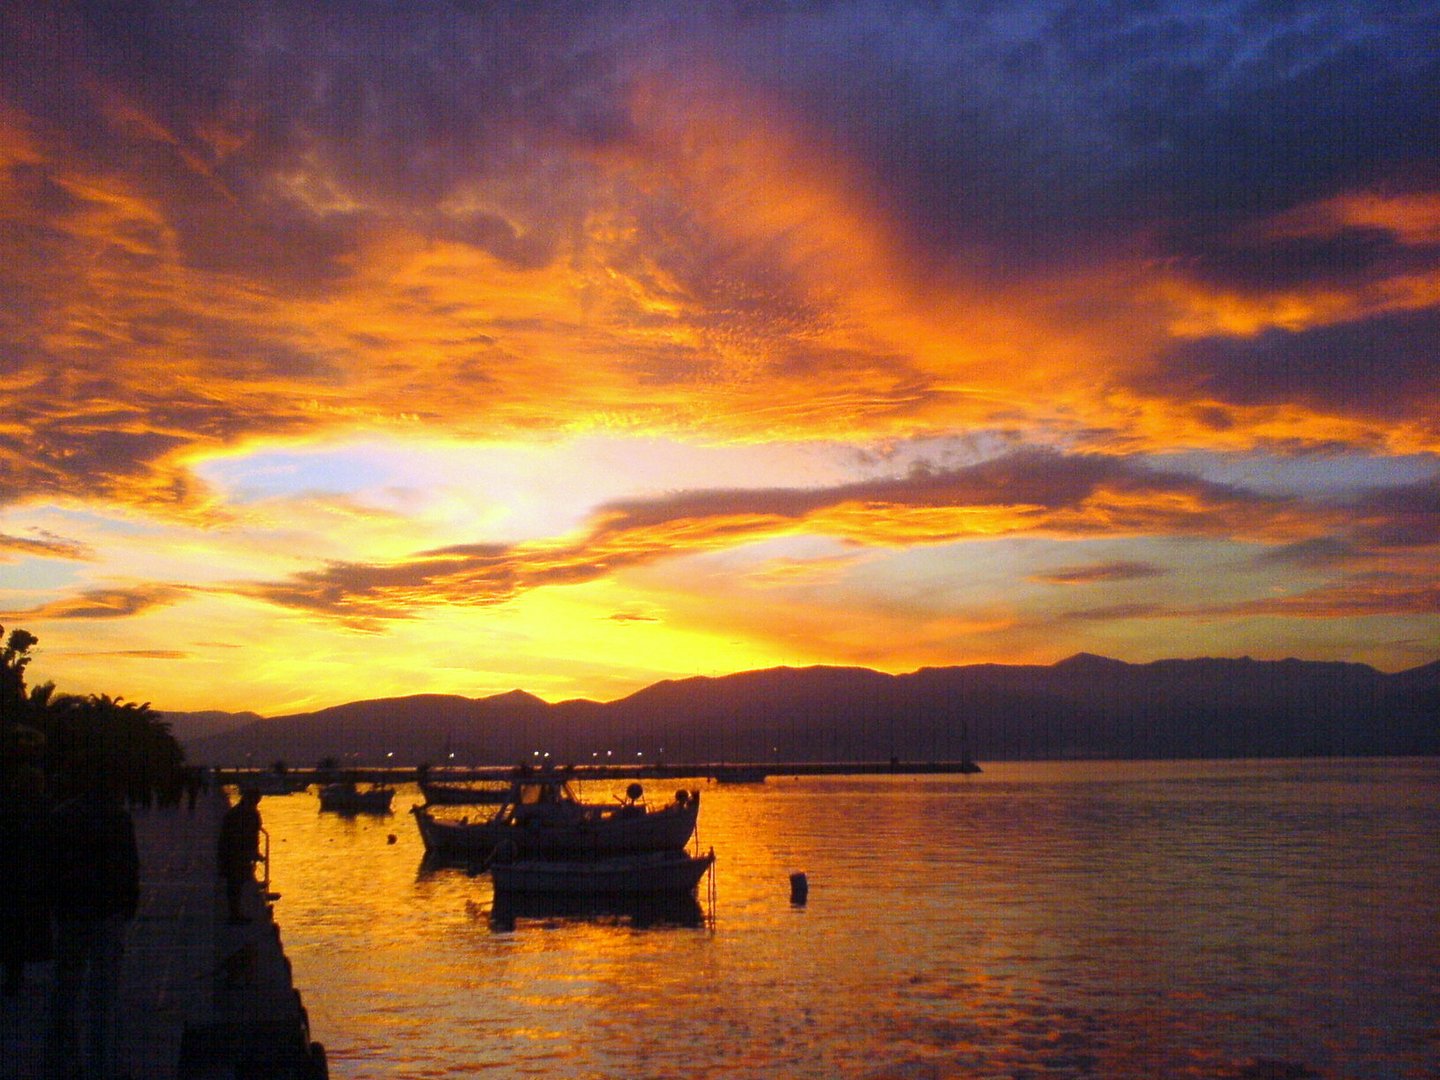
x,y
1052,920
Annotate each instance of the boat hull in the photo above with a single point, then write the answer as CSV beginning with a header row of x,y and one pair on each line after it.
x,y
462,795
660,909
667,829
659,874
274,784
739,775
356,802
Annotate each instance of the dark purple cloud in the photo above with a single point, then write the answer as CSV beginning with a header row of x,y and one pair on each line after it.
x,y
1028,133
1356,596
1121,613
1016,133
1385,367
1350,257
1099,573
1400,517
1321,552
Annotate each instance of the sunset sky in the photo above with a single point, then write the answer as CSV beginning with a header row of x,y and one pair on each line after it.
x,y
360,349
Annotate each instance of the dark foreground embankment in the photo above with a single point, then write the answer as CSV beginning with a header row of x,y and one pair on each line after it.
x,y
198,998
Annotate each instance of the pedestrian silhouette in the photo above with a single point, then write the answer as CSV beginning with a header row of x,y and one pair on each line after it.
x,y
25,851
237,851
95,882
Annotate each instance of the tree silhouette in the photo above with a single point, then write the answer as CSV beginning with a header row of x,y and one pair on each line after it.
x,y
14,659
129,742
134,744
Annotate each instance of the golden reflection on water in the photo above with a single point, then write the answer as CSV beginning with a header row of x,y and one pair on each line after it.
x,y
1110,920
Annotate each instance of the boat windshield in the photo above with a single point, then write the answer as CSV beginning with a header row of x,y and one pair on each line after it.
x,y
538,793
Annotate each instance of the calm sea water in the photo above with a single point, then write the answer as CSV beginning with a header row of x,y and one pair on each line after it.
x,y
1040,920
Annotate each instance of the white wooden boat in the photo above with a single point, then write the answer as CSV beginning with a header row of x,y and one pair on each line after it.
x,y
541,818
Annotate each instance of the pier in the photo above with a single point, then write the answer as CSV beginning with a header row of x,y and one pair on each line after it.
x,y
198,999
657,770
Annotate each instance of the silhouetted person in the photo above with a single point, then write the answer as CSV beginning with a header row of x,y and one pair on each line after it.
x,y
95,889
194,780
25,851
238,849
170,788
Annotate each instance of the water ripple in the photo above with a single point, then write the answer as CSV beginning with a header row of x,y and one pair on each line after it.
x,y
1107,920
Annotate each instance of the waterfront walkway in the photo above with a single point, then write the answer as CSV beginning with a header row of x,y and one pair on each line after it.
x,y
199,999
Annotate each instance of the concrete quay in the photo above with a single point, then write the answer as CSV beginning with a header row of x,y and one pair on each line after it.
x,y
198,999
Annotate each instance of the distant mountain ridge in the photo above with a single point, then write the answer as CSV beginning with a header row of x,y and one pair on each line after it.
x,y
1085,706
191,727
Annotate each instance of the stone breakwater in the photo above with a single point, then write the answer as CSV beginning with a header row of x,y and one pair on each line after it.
x,y
198,998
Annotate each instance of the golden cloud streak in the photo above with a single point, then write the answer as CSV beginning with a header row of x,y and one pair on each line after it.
x,y
45,547
107,603
1025,495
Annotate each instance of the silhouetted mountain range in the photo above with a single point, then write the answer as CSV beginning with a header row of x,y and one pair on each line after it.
x,y
1083,707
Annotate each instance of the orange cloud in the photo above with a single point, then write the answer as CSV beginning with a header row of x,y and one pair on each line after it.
x,y
46,547
1412,217
1375,280
726,271
795,280
107,603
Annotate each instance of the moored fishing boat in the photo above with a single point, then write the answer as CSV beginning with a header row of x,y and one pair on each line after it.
x,y
740,774
273,783
541,818
345,797
654,874
441,794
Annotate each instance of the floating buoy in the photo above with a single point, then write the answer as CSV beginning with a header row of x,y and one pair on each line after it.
x,y
390,839
799,888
